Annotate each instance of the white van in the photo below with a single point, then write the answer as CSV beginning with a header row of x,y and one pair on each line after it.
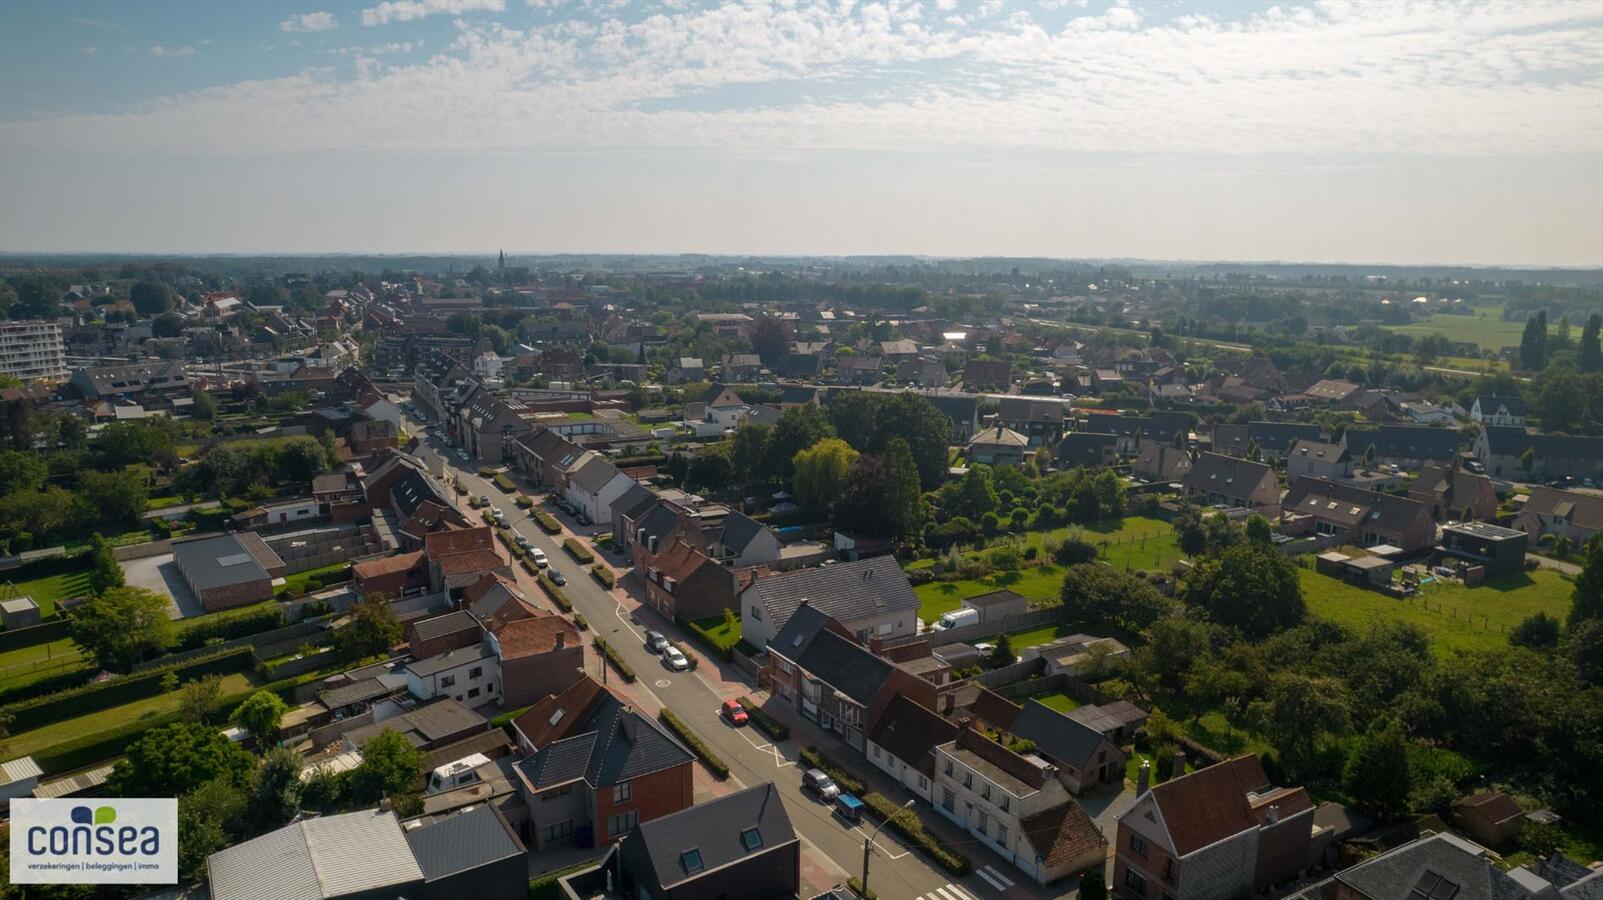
x,y
456,774
956,617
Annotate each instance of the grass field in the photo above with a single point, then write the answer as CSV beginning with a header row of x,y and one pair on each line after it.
x,y
1035,637
1039,583
26,665
39,739
1486,328
330,574
1134,542
1455,617
51,588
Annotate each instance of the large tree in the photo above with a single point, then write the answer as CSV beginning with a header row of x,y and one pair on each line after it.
x,y
105,572
38,297
1377,776
171,759
1102,595
798,428
260,714
821,472
1298,711
903,497
390,767
1246,587
373,629
1591,351
976,493
275,789
208,820
770,338
863,504
116,499
122,626
1587,598
711,470
150,298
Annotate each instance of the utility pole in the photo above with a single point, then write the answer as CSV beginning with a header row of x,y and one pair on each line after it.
x,y
868,844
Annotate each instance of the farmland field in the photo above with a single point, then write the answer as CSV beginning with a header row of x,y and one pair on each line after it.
x,y
1486,329
39,739
1455,617
1039,583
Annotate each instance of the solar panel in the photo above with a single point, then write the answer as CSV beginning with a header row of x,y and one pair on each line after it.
x,y
1432,886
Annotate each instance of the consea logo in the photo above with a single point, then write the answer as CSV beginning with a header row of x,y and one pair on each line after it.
x,y
114,841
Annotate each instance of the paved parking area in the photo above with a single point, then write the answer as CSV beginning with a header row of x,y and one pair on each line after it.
x,y
160,574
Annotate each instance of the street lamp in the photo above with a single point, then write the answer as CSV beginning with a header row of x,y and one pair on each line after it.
x,y
868,843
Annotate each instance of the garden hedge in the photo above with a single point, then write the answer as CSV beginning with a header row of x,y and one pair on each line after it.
x,y
708,758
765,723
578,551
846,780
617,660
41,710
604,575
557,595
547,522
907,823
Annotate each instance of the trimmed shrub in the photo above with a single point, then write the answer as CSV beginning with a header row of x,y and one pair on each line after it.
x,y
580,623
504,483
557,595
604,575
847,782
623,668
765,723
857,888
907,823
547,522
708,758
523,501
578,551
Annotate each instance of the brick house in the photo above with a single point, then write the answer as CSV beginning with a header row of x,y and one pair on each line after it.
x,y
442,633
1160,462
457,559
902,743
1450,489
538,656
814,666
1354,515
684,581
391,575
487,425
1568,514
1216,478
228,570
987,375
617,769
1220,832
1317,459
869,598
1083,757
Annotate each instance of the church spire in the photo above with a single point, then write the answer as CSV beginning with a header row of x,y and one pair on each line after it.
x,y
501,265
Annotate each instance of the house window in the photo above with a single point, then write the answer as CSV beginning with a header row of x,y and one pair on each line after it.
x,y
1001,834
447,681
691,860
1138,845
968,780
622,823
559,792
873,751
476,672
985,792
473,692
923,783
947,799
751,839
1135,882
623,792
1003,803
948,767
782,665
559,830
985,822
756,613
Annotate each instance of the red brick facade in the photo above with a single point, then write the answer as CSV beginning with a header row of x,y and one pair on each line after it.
x,y
651,797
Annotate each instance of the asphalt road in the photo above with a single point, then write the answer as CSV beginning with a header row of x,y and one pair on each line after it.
x,y
832,849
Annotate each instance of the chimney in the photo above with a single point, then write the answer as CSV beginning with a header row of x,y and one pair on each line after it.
x,y
1274,813
1179,764
1143,778
965,723
562,639
875,645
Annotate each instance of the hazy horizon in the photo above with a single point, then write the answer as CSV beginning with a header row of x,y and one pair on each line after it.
x,y
1407,133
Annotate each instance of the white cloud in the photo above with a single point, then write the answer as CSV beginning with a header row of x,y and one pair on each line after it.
x,y
407,10
171,52
106,24
1434,77
91,51
321,20
378,49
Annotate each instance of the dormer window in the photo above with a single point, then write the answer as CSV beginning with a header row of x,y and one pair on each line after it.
x,y
691,860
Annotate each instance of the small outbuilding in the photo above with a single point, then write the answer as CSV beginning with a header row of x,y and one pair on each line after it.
x,y
1497,549
20,612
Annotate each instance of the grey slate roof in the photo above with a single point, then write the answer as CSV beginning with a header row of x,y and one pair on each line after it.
x,y
844,591
1394,874
1406,442
714,830
604,752
439,626
1085,448
739,530
355,692
469,840
1056,735
845,665
450,659
633,501
594,474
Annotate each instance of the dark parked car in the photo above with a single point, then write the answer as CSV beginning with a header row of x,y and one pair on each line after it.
x,y
655,642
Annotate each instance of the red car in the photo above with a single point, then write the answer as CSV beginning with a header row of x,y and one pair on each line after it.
x,y
734,712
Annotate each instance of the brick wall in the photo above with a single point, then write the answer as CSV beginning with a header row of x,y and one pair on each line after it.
x,y
653,796
233,595
526,679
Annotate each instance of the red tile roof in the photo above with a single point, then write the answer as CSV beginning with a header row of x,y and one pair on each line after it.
x,y
1211,804
389,565
541,723
444,542
1063,834
471,561
538,634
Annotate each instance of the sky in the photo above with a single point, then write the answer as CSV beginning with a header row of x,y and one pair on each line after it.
x,y
1383,132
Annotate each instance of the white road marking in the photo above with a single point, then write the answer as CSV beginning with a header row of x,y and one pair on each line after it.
x,y
880,847
957,891
997,874
992,881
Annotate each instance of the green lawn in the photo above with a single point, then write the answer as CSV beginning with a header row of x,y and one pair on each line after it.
x,y
1039,583
48,590
1038,636
723,635
39,739
330,574
1059,702
1455,617
26,665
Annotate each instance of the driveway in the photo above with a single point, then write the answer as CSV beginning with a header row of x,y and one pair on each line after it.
x,y
160,574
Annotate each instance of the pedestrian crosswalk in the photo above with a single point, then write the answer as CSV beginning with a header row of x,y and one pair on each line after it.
x,y
994,877
948,892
